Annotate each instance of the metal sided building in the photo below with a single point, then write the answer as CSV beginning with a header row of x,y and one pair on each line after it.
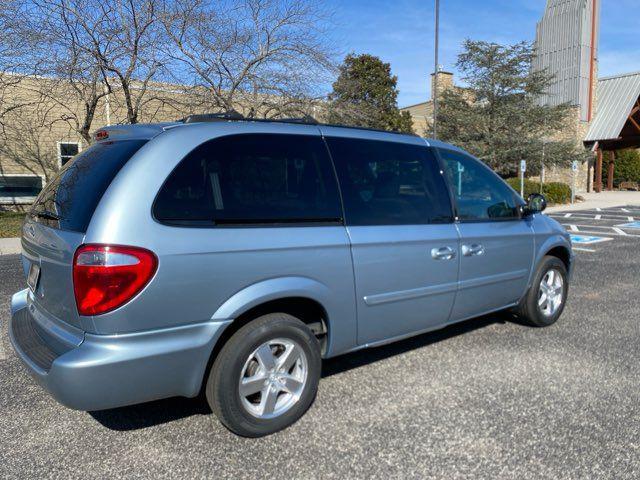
x,y
567,44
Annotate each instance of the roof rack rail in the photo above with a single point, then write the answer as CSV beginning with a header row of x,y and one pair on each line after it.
x,y
305,120
213,117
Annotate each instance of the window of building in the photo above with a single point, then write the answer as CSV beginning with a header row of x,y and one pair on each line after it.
x,y
389,183
480,194
252,179
19,188
67,151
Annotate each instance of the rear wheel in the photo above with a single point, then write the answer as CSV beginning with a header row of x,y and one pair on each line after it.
x,y
546,298
266,376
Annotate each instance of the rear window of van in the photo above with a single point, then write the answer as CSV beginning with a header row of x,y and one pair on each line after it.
x,y
69,200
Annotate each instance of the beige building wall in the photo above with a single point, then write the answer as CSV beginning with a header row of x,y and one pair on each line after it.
x,y
422,117
38,124
45,114
422,113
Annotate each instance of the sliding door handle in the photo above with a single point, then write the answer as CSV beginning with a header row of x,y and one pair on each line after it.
x,y
473,249
443,253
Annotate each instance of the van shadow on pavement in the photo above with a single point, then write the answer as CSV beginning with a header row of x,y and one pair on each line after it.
x,y
164,411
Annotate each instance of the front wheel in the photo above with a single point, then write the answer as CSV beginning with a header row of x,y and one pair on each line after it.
x,y
547,296
266,376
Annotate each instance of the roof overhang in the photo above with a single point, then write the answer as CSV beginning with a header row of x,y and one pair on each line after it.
x,y
617,98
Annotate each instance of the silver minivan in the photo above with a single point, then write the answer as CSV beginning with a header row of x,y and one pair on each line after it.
x,y
229,257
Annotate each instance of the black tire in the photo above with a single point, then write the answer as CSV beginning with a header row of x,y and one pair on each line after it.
x,y
222,388
528,309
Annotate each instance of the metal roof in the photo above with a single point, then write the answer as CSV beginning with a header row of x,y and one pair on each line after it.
x,y
566,47
616,98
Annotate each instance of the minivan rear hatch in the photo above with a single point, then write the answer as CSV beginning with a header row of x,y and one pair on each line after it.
x,y
56,224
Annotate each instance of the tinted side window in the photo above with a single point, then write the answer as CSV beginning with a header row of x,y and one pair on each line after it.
x,y
74,193
252,178
385,183
480,194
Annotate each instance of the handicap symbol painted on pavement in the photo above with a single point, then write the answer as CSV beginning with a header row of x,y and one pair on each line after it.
x,y
630,225
588,239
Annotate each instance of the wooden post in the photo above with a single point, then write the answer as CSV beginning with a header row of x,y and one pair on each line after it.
x,y
612,159
598,181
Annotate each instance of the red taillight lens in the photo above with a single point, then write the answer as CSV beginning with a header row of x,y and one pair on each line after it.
x,y
108,276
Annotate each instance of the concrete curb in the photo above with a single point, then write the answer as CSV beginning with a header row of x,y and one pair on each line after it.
x,y
10,246
600,200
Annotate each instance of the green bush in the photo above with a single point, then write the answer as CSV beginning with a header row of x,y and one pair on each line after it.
x,y
557,192
627,167
554,192
529,186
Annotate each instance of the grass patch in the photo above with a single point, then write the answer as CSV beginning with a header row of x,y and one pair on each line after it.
x,y
11,224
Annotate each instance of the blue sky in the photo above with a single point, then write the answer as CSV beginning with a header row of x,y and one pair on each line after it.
x,y
401,33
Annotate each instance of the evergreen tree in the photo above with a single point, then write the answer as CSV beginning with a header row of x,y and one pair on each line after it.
x,y
497,116
365,95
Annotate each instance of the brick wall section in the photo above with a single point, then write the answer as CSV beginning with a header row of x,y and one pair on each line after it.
x,y
33,131
32,134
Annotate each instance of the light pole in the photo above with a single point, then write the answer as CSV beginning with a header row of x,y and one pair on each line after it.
x,y
542,162
436,70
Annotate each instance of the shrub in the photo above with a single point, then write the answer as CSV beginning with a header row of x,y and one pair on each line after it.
x,y
627,167
554,192
557,192
529,186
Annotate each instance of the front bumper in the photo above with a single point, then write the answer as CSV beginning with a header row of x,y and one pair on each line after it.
x,y
108,371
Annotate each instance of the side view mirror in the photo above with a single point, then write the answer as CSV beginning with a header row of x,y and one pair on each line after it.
x,y
536,203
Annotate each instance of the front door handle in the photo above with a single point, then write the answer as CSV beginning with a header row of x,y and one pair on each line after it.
x,y
443,253
475,249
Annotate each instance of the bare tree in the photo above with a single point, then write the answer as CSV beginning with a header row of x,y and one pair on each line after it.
x,y
15,59
119,43
264,57
44,55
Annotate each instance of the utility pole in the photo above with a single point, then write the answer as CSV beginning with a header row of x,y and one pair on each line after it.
x,y
436,70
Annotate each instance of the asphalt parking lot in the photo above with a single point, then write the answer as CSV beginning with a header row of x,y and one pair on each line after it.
x,y
592,228
490,398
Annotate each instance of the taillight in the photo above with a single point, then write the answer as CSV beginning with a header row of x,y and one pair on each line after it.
x,y
108,276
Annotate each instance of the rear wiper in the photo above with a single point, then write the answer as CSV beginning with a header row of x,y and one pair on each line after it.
x,y
46,214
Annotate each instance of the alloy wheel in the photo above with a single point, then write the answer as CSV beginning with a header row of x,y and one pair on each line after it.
x,y
273,378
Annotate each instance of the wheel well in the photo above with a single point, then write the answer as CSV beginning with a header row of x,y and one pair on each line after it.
x,y
306,310
563,254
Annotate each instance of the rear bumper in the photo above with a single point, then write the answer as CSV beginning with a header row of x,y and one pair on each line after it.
x,y
108,371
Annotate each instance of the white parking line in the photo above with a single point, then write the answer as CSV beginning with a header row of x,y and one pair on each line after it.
x,y
2,354
598,209
567,215
624,210
601,216
580,249
573,228
631,219
591,232
620,231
